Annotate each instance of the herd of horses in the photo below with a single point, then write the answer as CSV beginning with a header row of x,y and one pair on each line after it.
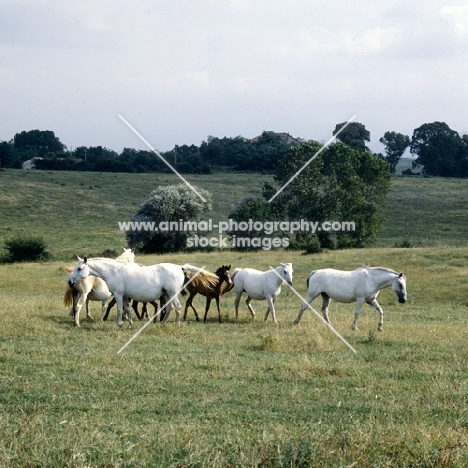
x,y
98,279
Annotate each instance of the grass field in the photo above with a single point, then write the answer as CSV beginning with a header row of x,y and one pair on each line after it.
x,y
243,393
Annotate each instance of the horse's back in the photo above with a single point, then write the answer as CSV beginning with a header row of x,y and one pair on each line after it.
x,y
340,285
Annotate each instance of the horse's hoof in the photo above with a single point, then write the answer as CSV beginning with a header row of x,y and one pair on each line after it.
x,y
379,328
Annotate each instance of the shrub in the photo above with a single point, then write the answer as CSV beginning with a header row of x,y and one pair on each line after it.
x,y
25,249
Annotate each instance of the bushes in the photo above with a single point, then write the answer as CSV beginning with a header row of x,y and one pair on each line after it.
x,y
25,249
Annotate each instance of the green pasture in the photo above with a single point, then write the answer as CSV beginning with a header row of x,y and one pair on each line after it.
x,y
243,393
78,212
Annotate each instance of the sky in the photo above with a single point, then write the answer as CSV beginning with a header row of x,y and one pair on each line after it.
x,y
180,71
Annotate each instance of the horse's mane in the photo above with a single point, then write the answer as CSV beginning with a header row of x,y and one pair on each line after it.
x,y
387,270
203,277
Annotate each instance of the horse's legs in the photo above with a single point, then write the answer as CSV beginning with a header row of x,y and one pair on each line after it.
x,y
88,314
78,302
155,305
103,307
236,302
207,308
217,305
359,302
189,303
120,305
109,307
271,306
135,308
376,305
310,297
166,310
162,301
127,311
144,311
326,299
178,308
248,301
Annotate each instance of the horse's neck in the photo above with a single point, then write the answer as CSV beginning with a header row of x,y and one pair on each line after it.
x,y
384,278
220,282
100,269
279,277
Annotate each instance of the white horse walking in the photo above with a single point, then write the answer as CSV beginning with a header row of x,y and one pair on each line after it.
x,y
360,286
261,285
132,281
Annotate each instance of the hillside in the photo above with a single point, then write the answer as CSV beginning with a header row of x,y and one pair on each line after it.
x,y
79,212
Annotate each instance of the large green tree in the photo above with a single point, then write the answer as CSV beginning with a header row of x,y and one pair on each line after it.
x,y
340,185
354,135
168,204
35,143
395,145
440,150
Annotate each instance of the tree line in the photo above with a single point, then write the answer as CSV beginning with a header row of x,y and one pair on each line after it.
x,y
438,151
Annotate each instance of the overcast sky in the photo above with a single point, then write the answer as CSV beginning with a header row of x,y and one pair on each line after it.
x,y
181,70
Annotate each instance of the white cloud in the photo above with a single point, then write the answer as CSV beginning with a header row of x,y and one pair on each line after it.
x,y
457,15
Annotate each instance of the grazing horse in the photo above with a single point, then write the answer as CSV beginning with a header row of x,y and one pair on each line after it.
x,y
210,285
132,281
91,289
261,285
360,286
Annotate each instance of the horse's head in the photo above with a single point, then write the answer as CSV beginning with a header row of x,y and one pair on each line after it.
x,y
81,271
128,256
287,272
223,273
399,286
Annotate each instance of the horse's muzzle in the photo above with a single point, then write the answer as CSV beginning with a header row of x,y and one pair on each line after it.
x,y
71,283
402,300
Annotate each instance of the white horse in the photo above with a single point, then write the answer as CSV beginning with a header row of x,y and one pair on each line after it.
x,y
91,288
261,285
132,281
360,286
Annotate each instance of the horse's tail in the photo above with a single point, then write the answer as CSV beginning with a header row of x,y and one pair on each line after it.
x,y
308,278
68,297
234,273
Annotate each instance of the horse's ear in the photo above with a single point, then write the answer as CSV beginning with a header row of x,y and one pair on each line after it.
x,y
85,259
133,250
400,275
79,258
123,248
228,267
